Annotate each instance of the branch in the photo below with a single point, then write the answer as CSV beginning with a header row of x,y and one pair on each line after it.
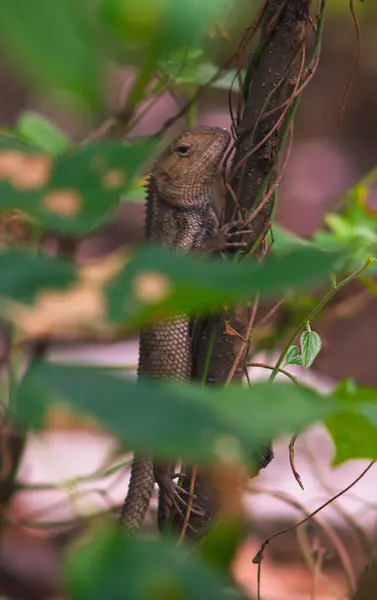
x,y
275,76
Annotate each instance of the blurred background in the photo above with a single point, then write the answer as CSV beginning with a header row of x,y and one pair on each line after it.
x,y
326,159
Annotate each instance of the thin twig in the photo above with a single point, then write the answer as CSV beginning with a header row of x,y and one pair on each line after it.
x,y
358,55
327,529
244,343
283,371
296,474
259,555
319,306
269,314
189,505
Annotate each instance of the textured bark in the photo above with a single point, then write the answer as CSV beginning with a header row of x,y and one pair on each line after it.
x,y
268,84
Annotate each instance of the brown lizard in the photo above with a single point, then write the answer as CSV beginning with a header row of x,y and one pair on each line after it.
x,y
180,215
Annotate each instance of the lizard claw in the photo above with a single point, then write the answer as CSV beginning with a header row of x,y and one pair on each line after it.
x,y
236,229
176,496
177,475
173,496
180,491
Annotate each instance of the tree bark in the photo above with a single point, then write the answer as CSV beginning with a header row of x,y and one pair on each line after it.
x,y
272,75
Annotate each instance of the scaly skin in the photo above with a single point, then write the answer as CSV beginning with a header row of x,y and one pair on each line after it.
x,y
180,215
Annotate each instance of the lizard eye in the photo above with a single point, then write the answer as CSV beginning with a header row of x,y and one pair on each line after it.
x,y
182,150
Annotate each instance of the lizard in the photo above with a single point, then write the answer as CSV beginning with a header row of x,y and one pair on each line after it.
x,y
180,215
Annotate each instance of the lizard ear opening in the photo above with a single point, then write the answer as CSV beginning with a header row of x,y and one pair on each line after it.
x,y
164,177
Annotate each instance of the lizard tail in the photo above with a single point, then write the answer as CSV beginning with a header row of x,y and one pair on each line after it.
x,y
139,493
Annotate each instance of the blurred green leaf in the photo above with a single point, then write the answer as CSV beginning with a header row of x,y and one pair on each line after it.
x,y
186,22
358,210
293,356
199,73
74,192
354,429
35,129
206,71
357,194
173,419
55,46
163,25
338,7
10,141
361,234
136,192
157,283
130,23
187,283
354,230
221,542
353,249
111,564
338,225
285,241
24,275
310,347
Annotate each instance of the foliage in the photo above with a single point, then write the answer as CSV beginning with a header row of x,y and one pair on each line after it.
x,y
71,193
168,571
190,422
69,190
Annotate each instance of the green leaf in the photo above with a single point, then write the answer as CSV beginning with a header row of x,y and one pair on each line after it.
x,y
174,419
355,201
97,173
310,347
200,73
55,46
293,356
186,22
111,564
164,25
10,141
220,544
24,275
157,283
190,284
354,428
353,251
74,192
338,224
228,78
286,242
129,25
355,230
35,129
360,210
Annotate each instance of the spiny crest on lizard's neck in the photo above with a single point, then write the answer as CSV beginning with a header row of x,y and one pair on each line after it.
x,y
185,172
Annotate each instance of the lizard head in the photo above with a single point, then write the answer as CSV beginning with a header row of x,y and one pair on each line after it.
x,y
186,170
